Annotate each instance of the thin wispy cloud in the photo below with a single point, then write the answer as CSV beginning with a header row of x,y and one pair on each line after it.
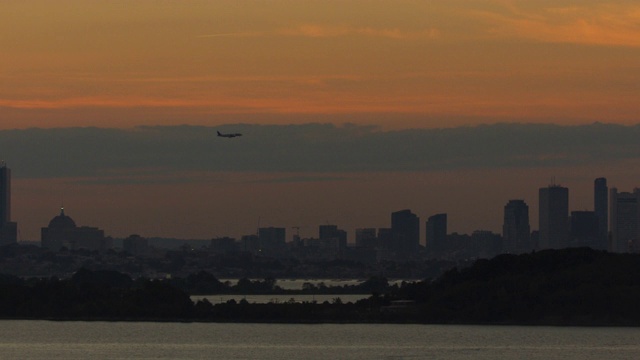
x,y
232,34
332,31
317,30
100,101
607,24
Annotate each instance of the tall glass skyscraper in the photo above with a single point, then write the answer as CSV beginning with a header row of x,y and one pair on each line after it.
x,y
601,208
554,217
625,220
436,230
405,230
8,229
5,194
515,229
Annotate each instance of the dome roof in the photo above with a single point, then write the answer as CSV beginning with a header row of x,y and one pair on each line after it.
x,y
62,221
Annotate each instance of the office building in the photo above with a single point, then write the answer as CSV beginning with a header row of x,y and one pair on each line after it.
x,y
515,228
8,229
601,209
436,233
272,241
624,220
485,244
366,238
405,231
584,229
250,244
333,238
326,232
553,217
385,241
136,245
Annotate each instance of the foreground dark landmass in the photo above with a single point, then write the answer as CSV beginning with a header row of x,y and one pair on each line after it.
x,y
553,287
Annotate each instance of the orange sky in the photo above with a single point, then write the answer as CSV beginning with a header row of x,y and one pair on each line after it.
x,y
390,63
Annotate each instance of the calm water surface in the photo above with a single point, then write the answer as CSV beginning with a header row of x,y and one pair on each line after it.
x,y
297,284
264,299
120,340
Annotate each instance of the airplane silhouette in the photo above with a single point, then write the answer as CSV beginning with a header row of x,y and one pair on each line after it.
x,y
229,135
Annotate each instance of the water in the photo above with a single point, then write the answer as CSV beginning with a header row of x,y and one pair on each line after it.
x,y
293,284
134,340
264,299
297,284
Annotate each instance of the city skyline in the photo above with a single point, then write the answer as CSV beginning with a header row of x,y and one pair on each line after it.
x,y
552,235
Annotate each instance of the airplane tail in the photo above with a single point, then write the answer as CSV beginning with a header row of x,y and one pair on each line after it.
x,y
219,133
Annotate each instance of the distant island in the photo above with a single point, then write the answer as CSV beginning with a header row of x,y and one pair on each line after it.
x,y
579,286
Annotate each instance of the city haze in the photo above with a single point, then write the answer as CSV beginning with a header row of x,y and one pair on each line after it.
x,y
186,182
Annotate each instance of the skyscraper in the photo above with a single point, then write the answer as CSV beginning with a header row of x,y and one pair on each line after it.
x,y
584,229
436,233
405,230
625,219
601,208
331,232
5,194
8,229
554,217
366,238
515,228
272,241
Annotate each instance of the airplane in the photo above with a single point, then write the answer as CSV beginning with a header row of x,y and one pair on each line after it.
x,y
229,135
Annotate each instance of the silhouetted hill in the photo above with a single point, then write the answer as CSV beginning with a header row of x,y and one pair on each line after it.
x,y
92,295
554,287
570,286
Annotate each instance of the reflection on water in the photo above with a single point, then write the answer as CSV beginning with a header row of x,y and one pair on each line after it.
x,y
134,340
264,299
297,284
293,284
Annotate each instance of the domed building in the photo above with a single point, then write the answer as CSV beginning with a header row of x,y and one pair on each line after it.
x,y
62,221
63,232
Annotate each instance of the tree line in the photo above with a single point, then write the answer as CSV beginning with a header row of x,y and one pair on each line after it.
x,y
551,287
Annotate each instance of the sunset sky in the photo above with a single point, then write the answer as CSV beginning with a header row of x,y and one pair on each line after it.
x,y
382,66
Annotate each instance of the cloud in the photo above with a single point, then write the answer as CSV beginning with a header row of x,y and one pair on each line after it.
x,y
179,153
316,30
99,101
331,31
607,24
233,34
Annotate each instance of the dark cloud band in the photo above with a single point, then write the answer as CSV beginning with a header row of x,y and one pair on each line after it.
x,y
96,152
